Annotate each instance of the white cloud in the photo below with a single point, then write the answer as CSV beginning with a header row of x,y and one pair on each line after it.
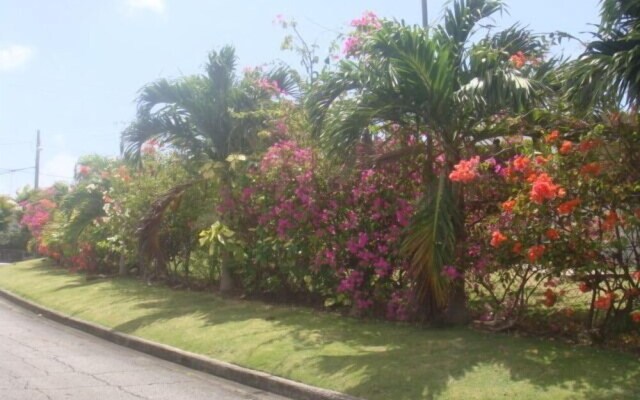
x,y
14,56
134,6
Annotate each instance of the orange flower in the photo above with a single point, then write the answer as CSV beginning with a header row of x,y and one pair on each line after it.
x,y
562,193
566,147
521,163
552,137
540,160
567,207
610,221
635,317
543,189
535,252
497,238
592,169
552,234
508,205
532,177
517,248
518,59
466,170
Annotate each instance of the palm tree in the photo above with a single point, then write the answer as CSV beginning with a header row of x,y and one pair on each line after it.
x,y
607,75
204,117
435,80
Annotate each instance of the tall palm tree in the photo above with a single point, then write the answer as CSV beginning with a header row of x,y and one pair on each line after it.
x,y
607,74
204,117
440,81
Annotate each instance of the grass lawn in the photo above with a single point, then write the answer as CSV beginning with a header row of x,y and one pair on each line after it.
x,y
374,360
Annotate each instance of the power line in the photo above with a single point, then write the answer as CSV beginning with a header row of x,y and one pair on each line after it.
x,y
24,170
12,170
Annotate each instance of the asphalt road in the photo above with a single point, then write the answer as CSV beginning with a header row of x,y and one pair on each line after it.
x,y
40,359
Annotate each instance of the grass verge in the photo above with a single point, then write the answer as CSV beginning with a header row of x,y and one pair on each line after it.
x,y
370,359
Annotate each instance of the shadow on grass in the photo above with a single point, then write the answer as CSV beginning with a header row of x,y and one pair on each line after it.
x,y
393,361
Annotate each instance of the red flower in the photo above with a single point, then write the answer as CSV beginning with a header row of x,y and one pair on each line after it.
x,y
550,298
535,252
610,221
631,293
517,248
605,302
636,275
587,145
552,234
567,207
552,137
497,238
543,189
84,170
635,317
592,169
566,147
584,287
508,205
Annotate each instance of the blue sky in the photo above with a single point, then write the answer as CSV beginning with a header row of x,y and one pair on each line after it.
x,y
71,68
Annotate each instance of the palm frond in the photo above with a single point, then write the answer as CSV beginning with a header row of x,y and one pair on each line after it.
x,y
607,75
287,78
431,242
80,207
460,20
149,228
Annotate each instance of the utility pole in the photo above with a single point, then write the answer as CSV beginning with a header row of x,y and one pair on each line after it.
x,y
425,15
38,148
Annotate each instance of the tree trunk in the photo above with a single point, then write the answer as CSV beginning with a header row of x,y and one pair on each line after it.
x,y
123,269
226,277
457,312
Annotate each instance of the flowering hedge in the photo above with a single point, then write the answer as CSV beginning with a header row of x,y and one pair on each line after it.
x,y
330,233
567,223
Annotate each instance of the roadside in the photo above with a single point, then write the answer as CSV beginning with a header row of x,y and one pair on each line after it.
x,y
369,359
45,360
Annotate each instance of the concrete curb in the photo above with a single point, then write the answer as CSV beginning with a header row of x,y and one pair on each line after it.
x,y
245,376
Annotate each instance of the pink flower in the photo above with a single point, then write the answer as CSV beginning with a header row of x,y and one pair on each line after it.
x,y
363,239
351,45
451,272
382,266
369,20
269,86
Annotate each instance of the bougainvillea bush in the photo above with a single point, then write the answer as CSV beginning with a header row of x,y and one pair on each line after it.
x,y
561,229
325,234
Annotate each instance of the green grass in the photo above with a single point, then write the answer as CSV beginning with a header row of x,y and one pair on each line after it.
x,y
374,360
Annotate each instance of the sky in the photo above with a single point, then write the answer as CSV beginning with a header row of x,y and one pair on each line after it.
x,y
72,68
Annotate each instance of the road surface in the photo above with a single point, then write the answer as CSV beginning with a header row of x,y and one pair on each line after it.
x,y
40,359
